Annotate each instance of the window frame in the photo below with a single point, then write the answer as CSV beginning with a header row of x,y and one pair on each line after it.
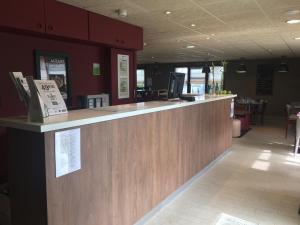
x,y
190,77
206,76
137,78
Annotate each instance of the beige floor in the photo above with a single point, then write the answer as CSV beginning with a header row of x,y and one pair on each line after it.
x,y
258,181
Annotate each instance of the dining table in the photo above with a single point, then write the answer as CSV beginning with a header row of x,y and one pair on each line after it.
x,y
252,107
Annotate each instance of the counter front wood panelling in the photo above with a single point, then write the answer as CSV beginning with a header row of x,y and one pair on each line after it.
x,y
131,164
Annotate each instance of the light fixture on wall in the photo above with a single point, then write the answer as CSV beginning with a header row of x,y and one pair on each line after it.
x,y
242,67
283,67
206,69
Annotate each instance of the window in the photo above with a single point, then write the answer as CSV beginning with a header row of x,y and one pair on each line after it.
x,y
218,78
185,71
140,78
197,81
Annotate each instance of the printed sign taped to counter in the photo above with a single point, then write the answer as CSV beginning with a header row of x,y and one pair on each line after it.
x,y
67,152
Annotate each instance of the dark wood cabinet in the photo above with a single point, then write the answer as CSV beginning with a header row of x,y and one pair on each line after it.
x,y
129,36
26,15
102,29
115,33
66,20
62,20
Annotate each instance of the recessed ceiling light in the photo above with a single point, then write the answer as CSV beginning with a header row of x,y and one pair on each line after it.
x,y
207,38
145,44
193,25
292,12
293,21
297,38
168,12
190,46
152,57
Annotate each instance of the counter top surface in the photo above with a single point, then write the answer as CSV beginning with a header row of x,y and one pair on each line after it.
x,y
82,117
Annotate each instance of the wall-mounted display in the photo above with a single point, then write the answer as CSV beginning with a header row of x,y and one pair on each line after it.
x,y
123,76
54,66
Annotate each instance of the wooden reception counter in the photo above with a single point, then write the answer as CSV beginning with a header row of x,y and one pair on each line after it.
x,y
132,158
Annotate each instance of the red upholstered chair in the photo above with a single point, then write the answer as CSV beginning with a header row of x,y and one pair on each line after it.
x,y
245,121
241,113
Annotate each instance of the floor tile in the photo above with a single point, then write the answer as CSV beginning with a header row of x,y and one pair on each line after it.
x,y
258,182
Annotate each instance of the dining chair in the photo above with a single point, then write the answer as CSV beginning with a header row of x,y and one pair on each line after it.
x,y
290,118
297,136
260,110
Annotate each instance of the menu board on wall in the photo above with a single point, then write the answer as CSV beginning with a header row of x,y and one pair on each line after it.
x,y
123,76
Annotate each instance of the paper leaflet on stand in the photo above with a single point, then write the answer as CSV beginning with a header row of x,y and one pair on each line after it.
x,y
22,86
51,97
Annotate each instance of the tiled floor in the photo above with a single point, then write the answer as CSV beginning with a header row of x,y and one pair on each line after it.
x,y
258,181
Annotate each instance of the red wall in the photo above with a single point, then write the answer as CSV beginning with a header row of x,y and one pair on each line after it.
x,y
17,54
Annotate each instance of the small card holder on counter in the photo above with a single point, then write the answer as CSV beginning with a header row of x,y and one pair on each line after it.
x,y
46,100
36,108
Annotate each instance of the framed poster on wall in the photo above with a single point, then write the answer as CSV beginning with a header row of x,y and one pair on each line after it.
x,y
123,76
54,66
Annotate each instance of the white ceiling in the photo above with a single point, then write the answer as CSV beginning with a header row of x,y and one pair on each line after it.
x,y
235,28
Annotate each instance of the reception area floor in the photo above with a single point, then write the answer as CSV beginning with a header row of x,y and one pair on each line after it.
x,y
256,183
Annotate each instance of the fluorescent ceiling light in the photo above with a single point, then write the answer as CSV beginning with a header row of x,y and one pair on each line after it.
x,y
293,21
297,38
193,25
292,12
190,46
168,12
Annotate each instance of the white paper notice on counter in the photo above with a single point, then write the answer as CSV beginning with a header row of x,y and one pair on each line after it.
x,y
67,152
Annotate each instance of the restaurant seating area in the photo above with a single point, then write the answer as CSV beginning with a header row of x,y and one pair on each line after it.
x,y
252,112
249,112
142,112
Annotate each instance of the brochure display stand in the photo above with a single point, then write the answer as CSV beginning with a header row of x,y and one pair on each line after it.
x,y
42,97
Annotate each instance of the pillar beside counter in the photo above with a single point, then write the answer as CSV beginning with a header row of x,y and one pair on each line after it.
x,y
132,157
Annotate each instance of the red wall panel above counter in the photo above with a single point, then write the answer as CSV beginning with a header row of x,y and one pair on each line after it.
x,y
115,33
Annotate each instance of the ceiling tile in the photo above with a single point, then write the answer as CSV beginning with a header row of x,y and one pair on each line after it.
x,y
231,7
236,28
